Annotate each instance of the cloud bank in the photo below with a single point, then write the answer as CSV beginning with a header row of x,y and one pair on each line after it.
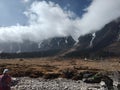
x,y
99,13
49,20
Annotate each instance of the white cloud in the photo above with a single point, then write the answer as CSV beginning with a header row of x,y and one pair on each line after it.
x,y
99,14
48,20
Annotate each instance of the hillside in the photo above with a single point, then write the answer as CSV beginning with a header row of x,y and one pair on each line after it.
x,y
103,43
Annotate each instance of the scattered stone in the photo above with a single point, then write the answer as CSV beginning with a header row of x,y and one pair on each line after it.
x,y
45,84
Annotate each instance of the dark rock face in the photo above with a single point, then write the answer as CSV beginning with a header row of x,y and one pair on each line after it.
x,y
29,49
84,41
58,43
28,46
103,37
106,36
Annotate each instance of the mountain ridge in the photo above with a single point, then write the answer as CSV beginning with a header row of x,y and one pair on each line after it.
x,y
102,43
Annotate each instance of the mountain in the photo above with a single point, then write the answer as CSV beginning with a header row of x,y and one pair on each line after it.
x,y
28,46
103,43
58,43
27,49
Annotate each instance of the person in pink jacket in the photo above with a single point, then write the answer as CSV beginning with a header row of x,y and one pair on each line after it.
x,y
5,80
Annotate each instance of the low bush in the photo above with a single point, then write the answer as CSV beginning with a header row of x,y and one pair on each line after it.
x,y
51,75
68,73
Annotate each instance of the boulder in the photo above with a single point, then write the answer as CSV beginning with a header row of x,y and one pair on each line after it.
x,y
94,79
108,81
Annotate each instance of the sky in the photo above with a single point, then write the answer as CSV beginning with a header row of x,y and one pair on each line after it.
x,y
38,20
12,12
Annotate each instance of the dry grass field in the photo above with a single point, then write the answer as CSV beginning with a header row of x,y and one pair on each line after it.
x,y
53,67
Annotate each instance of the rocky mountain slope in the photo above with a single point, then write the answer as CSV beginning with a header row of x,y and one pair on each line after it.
x,y
102,43
28,46
105,42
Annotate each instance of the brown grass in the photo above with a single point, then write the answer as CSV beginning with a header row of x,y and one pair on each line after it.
x,y
51,67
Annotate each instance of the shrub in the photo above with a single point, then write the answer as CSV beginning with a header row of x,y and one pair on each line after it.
x,y
51,75
68,73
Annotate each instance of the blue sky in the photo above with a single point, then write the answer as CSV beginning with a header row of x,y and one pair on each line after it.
x,y
11,12
76,6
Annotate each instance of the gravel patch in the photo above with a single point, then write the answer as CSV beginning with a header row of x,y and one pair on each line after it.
x,y
26,83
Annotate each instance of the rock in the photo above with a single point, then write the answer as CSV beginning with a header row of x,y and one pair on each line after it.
x,y
88,74
94,79
26,83
47,84
102,83
108,81
118,86
115,83
14,81
93,88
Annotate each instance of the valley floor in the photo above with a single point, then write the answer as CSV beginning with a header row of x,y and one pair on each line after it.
x,y
56,65
61,74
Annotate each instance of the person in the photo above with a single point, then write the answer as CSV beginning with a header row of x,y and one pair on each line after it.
x,y
5,80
